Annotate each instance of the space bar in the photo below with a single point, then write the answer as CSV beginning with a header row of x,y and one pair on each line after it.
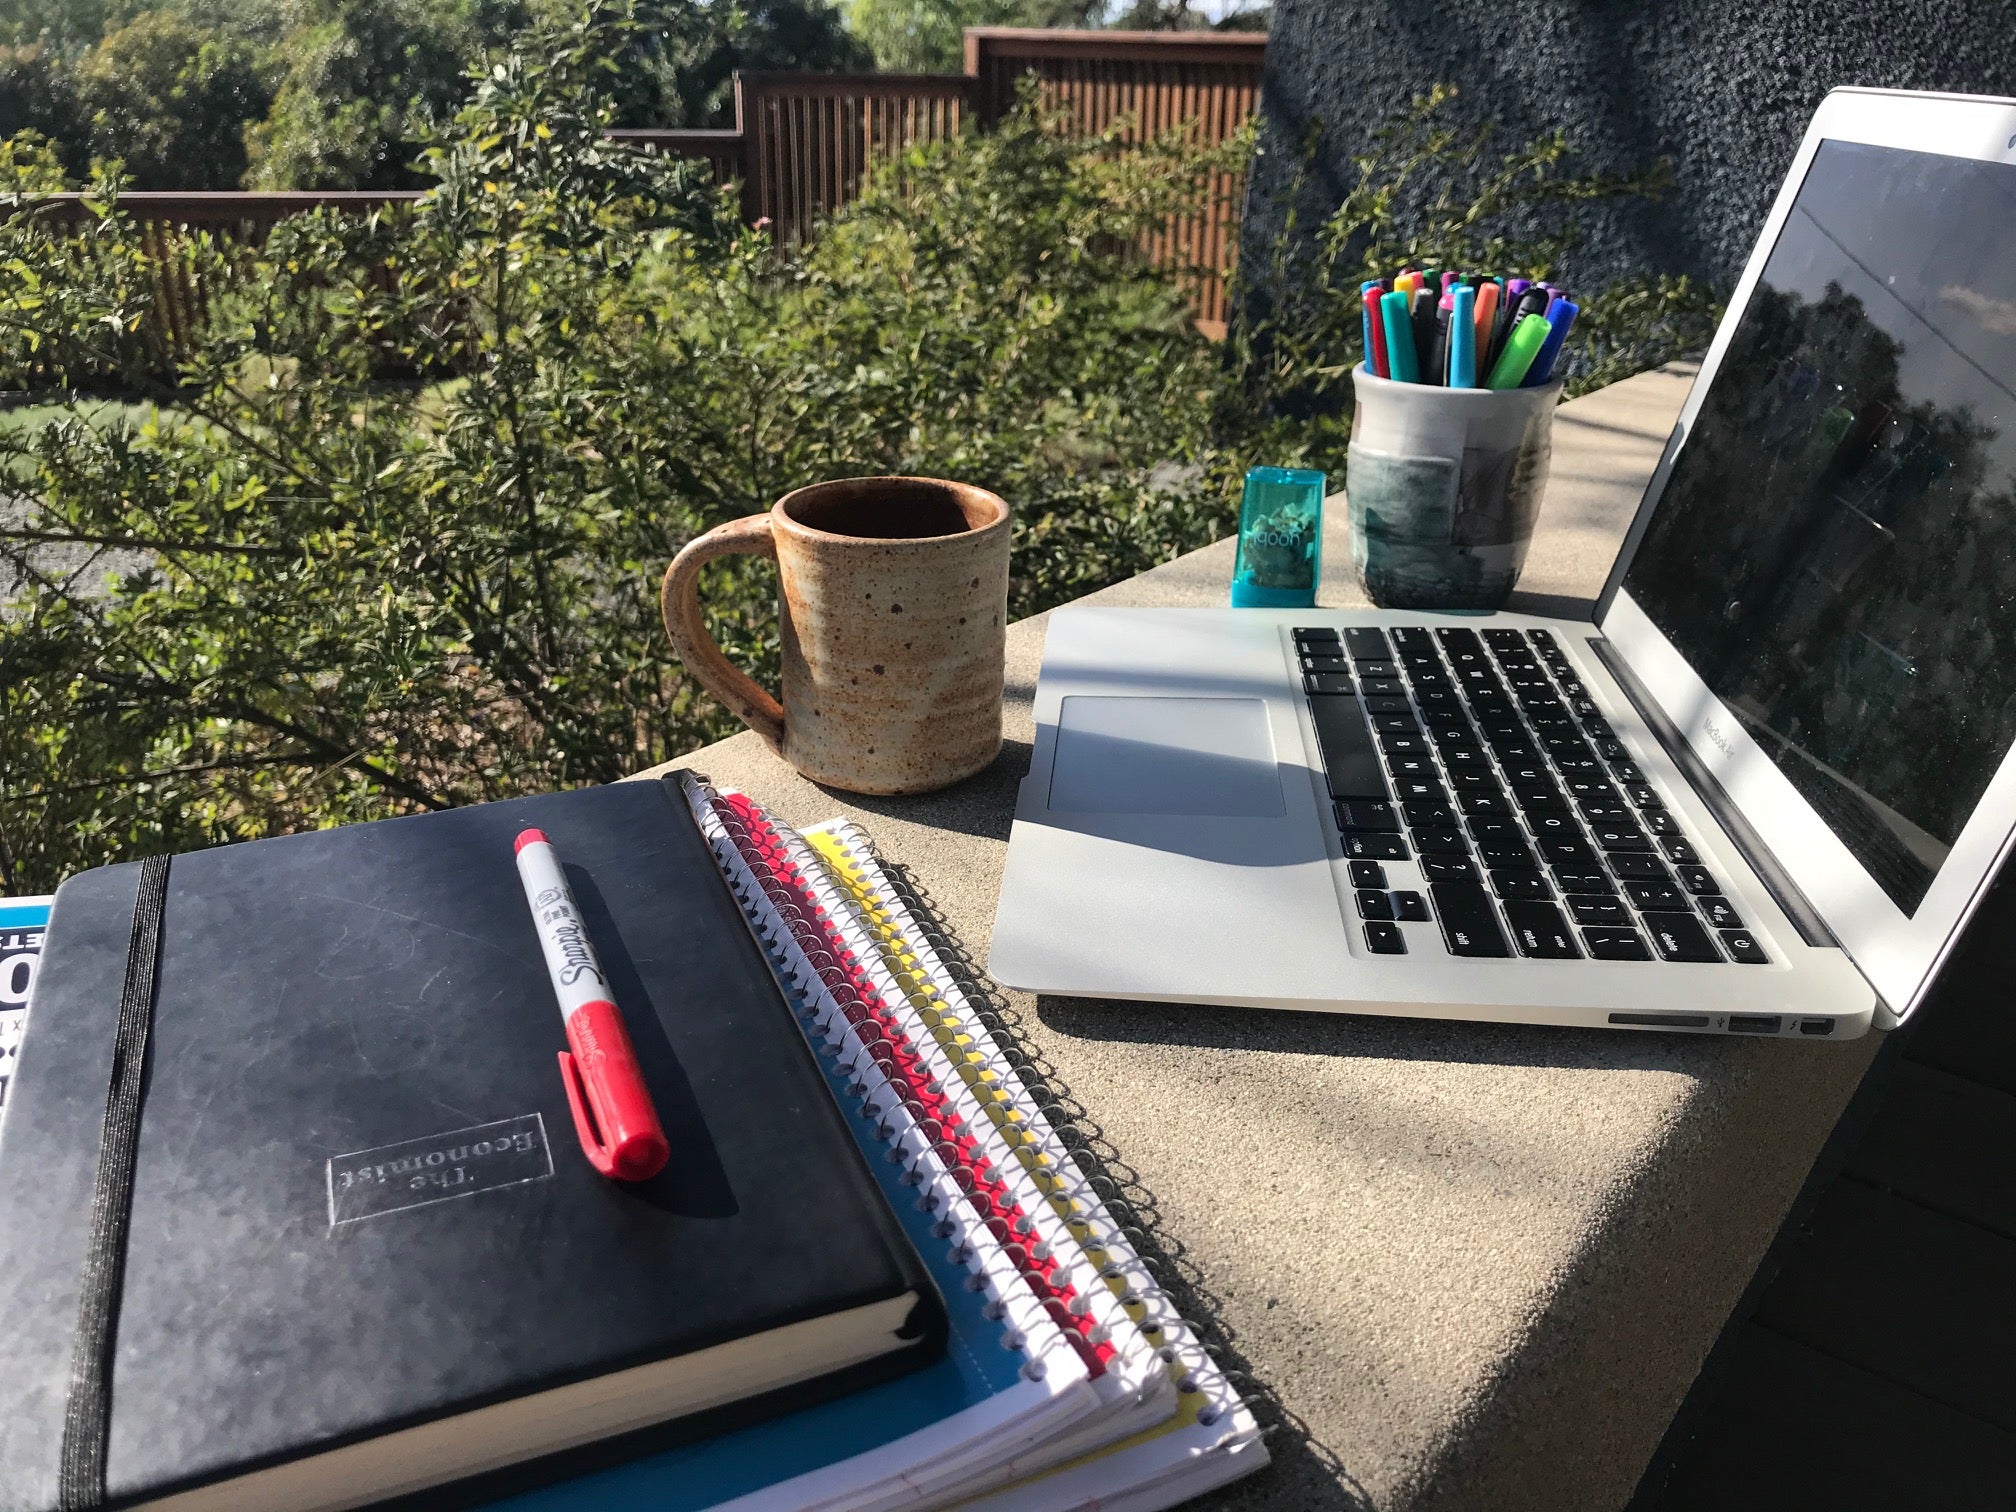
x,y
1350,759
1469,923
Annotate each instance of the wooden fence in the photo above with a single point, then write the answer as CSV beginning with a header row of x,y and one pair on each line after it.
x,y
803,143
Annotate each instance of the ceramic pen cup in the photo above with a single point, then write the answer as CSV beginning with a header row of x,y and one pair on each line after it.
x,y
1443,486
892,598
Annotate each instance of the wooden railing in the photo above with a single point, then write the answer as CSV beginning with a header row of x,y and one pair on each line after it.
x,y
803,143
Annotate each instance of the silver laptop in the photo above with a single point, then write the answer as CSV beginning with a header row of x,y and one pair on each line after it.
x,y
1760,793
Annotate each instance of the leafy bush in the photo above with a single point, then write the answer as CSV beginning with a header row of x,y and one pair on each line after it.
x,y
392,540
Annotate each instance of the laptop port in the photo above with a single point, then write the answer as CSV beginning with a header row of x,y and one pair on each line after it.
x,y
1662,1020
1754,1023
1816,1026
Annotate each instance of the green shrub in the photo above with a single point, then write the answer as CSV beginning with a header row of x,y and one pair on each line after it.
x,y
392,540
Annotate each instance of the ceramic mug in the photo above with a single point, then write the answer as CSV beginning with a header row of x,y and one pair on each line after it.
x,y
893,602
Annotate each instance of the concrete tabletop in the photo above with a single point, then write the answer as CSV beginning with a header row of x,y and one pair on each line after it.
x,y
1473,1266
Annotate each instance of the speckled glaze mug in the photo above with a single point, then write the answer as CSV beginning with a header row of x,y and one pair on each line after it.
x,y
893,597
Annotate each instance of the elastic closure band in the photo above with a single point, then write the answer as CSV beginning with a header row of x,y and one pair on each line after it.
x,y
87,1414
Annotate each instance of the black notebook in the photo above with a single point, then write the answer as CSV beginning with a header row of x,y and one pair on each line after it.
x,y
366,1253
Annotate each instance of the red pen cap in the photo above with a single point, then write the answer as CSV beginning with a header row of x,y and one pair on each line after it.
x,y
612,1109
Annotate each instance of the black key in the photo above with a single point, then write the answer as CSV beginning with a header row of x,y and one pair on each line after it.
x,y
1434,696
1350,760
1554,825
1680,937
1486,830
1307,636
1419,790
1540,800
1584,882
1636,866
1572,767
1597,728
1519,884
1589,787
1402,744
1642,795
1626,771
1655,895
1569,853
1380,687
1598,911
1542,638
1609,750
1367,814
1584,707
1432,815
1367,874
1660,822
1678,850
1409,768
1720,914
1616,945
1469,924
1507,855
1743,947
1698,879
1504,640
1372,904
1541,931
1472,780
1544,710
1448,864
1441,842
1326,682
1474,801
1453,735
1528,680
1453,638
1620,837
1385,939
1572,685
1408,905
1391,704
1596,811
1363,845
1312,662
1385,671
1367,643
1528,774
1398,723
1466,759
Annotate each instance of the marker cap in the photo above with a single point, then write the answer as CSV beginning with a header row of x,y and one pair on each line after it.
x,y
613,1114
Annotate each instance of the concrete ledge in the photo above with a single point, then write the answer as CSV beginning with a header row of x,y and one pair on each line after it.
x,y
1476,1266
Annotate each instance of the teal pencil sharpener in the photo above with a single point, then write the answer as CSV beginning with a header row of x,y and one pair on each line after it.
x,y
1280,539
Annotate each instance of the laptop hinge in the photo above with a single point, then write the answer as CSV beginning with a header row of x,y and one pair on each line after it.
x,y
1784,891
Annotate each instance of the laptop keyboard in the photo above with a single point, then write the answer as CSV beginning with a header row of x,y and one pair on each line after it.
x,y
1480,756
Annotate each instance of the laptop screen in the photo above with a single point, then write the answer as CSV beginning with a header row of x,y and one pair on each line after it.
x,y
1835,549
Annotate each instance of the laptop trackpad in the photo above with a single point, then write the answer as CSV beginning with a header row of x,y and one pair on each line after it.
x,y
1203,756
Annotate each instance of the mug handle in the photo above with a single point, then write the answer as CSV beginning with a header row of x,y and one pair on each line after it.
x,y
679,602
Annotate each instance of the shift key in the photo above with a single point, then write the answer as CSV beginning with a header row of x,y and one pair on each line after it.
x,y
1350,757
1469,923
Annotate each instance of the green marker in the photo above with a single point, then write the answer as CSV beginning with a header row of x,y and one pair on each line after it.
x,y
1400,363
1521,347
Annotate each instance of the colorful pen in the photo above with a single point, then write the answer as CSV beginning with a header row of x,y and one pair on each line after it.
x,y
613,1114
1520,349
1463,338
1560,316
1423,320
1399,338
1487,316
1375,332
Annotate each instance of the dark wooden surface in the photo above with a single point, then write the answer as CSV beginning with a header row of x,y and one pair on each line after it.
x,y
1874,1365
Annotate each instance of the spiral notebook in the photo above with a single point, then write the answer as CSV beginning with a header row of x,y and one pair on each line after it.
x,y
870,963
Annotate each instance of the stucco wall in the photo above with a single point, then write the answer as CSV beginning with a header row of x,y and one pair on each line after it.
x,y
1722,87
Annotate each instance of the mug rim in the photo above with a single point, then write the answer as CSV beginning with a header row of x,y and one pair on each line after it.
x,y
967,492
1360,375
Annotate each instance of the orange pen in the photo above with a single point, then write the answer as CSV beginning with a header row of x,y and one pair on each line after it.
x,y
1487,314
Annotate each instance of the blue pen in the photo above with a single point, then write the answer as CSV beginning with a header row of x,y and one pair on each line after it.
x,y
1560,316
1463,339
1365,318
1399,338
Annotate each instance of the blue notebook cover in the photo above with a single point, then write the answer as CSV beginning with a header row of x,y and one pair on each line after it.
x,y
22,921
974,1368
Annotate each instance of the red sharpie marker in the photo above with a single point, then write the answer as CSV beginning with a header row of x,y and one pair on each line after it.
x,y
613,1115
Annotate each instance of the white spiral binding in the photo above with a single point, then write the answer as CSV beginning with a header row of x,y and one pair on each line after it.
x,y
1167,1330
1030,1329
1142,1372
